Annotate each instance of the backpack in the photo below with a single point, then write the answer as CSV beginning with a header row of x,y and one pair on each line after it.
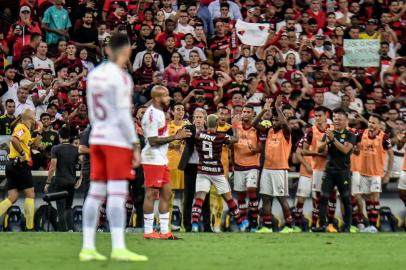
x,y
77,218
388,222
176,218
45,219
14,220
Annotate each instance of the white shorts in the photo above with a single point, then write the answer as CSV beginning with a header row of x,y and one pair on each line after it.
x,y
317,180
245,179
204,181
370,184
274,183
355,183
402,181
304,187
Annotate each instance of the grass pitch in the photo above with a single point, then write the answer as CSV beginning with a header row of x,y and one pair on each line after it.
x,y
59,251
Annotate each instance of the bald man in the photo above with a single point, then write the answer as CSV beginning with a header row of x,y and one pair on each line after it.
x,y
18,170
155,162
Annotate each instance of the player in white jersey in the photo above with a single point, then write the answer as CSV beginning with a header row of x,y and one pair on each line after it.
x,y
114,150
155,162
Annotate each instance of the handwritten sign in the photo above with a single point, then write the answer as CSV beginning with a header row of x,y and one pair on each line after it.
x,y
361,52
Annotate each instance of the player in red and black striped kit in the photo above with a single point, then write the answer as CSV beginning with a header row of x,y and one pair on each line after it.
x,y
209,145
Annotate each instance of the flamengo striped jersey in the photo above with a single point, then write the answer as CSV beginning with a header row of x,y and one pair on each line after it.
x,y
209,146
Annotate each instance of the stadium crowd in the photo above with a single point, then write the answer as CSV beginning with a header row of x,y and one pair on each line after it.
x,y
295,82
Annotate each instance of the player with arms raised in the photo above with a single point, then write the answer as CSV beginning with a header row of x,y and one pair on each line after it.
x,y
209,145
114,150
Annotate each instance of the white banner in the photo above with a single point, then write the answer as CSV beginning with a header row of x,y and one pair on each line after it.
x,y
253,34
361,52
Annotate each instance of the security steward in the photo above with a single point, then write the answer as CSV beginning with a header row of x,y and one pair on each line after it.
x,y
18,169
338,143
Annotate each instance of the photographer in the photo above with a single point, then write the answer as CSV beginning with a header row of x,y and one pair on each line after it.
x,y
64,157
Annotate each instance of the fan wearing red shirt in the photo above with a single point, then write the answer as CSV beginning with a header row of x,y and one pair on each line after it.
x,y
317,13
70,60
170,26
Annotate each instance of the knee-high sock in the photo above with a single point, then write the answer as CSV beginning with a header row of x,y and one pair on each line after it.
x,y
233,209
242,204
369,207
197,210
316,207
117,192
323,211
267,218
4,206
332,207
299,213
29,209
373,219
253,206
95,197
357,216
164,222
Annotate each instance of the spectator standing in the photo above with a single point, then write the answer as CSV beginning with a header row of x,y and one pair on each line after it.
x,y
23,102
7,118
56,23
41,60
20,32
10,85
86,35
64,157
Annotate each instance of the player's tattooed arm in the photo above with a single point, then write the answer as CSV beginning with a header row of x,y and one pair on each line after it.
x,y
180,135
281,116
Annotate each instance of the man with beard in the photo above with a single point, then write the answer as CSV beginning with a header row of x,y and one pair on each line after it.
x,y
246,166
49,139
155,163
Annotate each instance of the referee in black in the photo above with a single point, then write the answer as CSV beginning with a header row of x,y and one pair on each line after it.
x,y
64,157
338,143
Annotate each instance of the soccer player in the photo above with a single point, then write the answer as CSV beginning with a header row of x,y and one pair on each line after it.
x,y
356,195
114,150
216,201
18,171
210,171
154,158
246,165
310,146
374,145
338,143
304,189
402,182
175,150
274,178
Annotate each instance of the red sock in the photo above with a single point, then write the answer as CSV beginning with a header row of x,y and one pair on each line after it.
x,y
374,213
268,220
369,207
233,209
197,210
332,207
242,204
299,213
315,211
253,206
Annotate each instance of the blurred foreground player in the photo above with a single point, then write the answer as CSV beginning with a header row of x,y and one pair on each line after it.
x,y
114,150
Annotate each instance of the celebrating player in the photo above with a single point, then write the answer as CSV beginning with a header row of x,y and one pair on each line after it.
x,y
209,145
114,150
374,145
155,162
310,146
246,165
304,189
274,178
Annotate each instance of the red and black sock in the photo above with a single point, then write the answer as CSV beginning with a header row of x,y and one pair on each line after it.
x,y
369,207
197,210
288,218
234,212
299,213
374,215
267,220
253,206
332,207
315,211
242,204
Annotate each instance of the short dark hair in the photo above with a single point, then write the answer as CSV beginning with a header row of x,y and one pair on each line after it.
x,y
177,104
34,36
321,109
118,41
9,101
340,111
64,133
377,116
249,106
44,115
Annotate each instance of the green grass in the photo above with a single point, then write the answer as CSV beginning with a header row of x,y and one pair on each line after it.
x,y
225,251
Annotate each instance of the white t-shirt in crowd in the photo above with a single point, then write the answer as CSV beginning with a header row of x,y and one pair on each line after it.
x,y
46,64
154,125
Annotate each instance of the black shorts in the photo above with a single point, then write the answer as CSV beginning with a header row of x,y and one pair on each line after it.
x,y
341,180
18,176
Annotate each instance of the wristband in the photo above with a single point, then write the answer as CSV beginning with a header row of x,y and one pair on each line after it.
x,y
236,126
